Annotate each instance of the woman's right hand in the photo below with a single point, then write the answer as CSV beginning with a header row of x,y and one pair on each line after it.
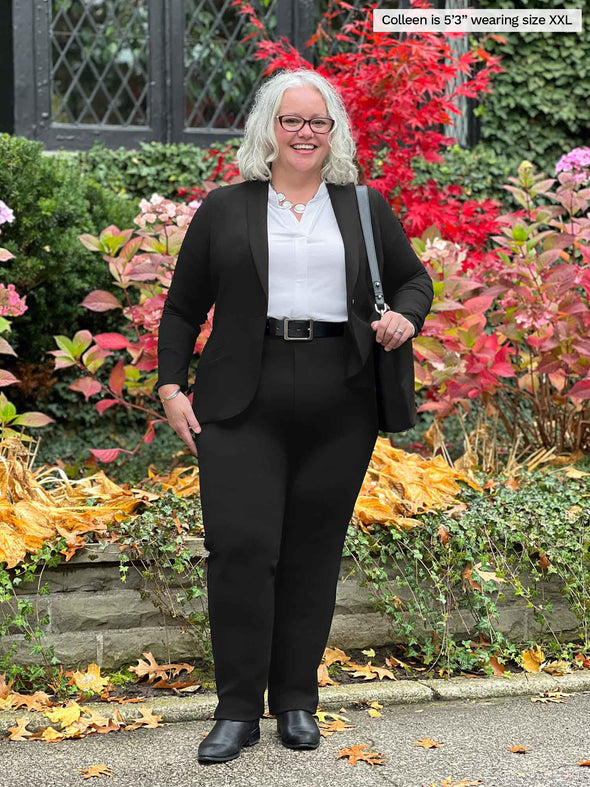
x,y
180,415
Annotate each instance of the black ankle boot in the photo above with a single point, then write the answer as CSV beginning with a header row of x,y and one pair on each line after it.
x,y
298,729
226,739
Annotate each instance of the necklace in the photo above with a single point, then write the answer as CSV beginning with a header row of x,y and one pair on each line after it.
x,y
286,204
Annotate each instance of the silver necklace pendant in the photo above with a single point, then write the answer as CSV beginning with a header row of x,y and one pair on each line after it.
x,y
287,204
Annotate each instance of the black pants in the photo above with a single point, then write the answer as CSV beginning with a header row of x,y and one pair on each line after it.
x,y
279,482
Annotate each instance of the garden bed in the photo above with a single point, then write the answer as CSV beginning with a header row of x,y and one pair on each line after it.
x,y
95,617
204,674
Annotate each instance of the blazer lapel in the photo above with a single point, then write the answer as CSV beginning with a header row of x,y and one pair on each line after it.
x,y
257,205
343,201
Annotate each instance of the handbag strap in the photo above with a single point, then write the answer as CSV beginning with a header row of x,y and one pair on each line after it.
x,y
362,195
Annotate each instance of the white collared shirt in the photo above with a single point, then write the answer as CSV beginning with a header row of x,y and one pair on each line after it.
x,y
306,271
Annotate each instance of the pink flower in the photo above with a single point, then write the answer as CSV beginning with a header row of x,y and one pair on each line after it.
x,y
576,159
6,214
11,304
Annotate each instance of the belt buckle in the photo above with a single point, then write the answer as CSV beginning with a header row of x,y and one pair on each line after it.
x,y
286,322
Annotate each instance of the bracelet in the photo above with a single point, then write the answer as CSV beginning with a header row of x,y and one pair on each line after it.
x,y
172,395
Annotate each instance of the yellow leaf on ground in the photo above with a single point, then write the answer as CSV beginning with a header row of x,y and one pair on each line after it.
x,y
96,770
532,659
428,743
398,485
65,716
90,680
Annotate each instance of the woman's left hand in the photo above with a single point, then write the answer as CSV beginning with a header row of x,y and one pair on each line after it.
x,y
392,329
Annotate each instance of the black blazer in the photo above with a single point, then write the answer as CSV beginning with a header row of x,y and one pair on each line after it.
x,y
224,260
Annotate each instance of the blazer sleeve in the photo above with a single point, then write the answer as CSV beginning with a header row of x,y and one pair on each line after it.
x,y
189,299
407,286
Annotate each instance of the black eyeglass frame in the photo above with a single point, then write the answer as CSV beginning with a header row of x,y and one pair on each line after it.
x,y
304,121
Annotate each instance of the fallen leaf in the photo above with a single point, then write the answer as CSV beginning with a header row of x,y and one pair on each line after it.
x,y
498,668
559,667
356,754
361,671
573,472
323,715
152,670
333,655
391,661
4,687
383,672
50,735
66,715
532,659
90,680
583,660
334,726
96,770
324,678
399,484
20,732
428,743
551,696
147,719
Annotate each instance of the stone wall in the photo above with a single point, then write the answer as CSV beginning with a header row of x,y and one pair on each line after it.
x,y
94,616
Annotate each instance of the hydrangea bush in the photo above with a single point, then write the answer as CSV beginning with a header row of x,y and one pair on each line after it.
x,y
12,305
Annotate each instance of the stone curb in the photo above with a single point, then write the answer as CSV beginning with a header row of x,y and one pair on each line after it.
x,y
183,709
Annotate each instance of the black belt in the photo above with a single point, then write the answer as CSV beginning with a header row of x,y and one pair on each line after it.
x,y
302,329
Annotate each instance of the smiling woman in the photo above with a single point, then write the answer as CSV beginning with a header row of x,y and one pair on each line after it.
x,y
288,93
285,417
303,145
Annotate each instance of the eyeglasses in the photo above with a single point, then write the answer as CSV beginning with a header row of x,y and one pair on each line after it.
x,y
296,123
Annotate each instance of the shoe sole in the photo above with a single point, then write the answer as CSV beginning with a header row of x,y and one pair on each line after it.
x,y
254,738
300,745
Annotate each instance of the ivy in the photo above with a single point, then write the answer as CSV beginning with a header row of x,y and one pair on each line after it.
x,y
19,616
172,572
539,106
422,582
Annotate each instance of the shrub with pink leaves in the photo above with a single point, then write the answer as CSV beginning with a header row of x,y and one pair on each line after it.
x,y
514,333
142,263
12,305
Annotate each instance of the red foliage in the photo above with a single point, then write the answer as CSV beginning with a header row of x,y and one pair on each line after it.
x,y
398,93
226,170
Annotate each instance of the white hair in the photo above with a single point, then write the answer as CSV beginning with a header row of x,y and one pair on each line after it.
x,y
259,146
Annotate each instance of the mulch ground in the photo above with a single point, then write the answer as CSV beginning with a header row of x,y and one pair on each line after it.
x,y
204,673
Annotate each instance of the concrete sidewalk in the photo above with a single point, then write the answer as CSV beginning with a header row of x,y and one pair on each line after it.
x,y
477,720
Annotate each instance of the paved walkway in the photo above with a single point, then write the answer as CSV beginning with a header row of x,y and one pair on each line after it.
x,y
476,731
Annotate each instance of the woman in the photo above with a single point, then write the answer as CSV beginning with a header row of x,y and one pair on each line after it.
x,y
284,409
